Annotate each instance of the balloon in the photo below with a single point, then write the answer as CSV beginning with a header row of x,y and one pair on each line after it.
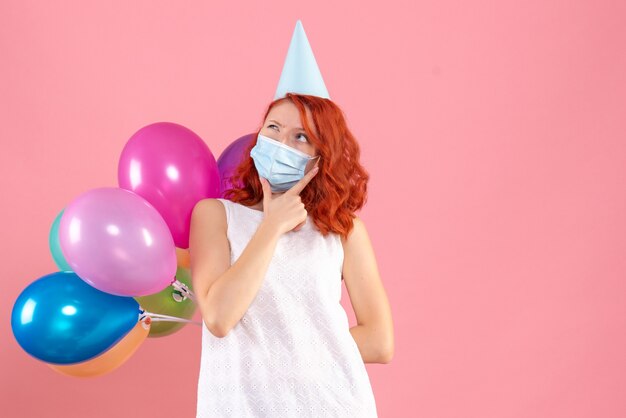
x,y
169,302
109,360
172,168
118,243
55,245
182,257
230,158
61,319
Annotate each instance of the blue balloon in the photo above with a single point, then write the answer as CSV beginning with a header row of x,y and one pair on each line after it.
x,y
61,319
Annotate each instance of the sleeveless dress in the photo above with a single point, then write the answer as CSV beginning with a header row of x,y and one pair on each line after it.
x,y
291,354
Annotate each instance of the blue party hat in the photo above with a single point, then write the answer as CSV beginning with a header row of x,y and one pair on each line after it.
x,y
300,72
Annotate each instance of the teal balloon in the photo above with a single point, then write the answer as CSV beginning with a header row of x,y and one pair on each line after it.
x,y
60,319
55,245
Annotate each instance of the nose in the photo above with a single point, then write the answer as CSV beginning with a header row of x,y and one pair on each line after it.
x,y
283,137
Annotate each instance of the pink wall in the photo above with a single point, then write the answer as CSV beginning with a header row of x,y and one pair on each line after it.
x,y
495,136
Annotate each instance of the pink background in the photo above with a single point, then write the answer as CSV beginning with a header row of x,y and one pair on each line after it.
x,y
494,132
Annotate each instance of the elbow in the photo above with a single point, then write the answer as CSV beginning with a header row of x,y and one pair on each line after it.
x,y
212,321
215,328
385,355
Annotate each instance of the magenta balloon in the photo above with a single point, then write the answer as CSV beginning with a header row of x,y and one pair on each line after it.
x,y
230,158
117,242
172,168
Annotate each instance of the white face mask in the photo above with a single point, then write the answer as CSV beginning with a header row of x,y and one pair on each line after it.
x,y
281,165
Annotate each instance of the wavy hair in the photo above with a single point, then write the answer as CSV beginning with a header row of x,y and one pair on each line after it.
x,y
338,190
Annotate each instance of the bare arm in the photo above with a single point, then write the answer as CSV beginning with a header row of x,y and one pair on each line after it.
x,y
225,292
374,330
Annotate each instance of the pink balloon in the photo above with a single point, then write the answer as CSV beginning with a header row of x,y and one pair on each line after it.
x,y
230,158
172,168
117,242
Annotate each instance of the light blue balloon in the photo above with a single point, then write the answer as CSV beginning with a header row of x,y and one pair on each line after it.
x,y
60,319
55,245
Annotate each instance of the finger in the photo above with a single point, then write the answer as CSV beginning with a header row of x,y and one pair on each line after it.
x,y
299,226
299,186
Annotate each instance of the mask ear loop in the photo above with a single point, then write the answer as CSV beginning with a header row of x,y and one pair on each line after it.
x,y
319,157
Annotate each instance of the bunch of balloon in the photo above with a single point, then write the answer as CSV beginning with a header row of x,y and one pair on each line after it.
x,y
171,168
116,247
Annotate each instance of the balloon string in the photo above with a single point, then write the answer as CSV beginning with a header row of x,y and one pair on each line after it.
x,y
176,320
166,318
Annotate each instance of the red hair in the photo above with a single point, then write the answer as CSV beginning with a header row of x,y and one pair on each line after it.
x,y
340,187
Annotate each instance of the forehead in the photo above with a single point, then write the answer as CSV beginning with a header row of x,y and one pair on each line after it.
x,y
287,113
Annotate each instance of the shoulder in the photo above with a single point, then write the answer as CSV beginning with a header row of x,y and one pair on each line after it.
x,y
358,233
209,210
210,205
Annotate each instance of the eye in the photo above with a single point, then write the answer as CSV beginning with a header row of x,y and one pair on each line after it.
x,y
271,124
306,139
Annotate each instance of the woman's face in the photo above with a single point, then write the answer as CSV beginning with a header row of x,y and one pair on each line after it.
x,y
283,125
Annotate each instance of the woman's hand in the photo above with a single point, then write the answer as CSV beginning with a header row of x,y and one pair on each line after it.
x,y
286,212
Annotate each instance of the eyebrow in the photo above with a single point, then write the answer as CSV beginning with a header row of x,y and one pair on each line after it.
x,y
282,126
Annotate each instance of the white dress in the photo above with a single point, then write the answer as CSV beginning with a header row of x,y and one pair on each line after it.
x,y
291,354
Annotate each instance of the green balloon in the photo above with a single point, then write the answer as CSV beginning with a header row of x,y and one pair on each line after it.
x,y
165,303
55,244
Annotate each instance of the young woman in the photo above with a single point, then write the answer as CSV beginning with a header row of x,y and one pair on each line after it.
x,y
267,264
